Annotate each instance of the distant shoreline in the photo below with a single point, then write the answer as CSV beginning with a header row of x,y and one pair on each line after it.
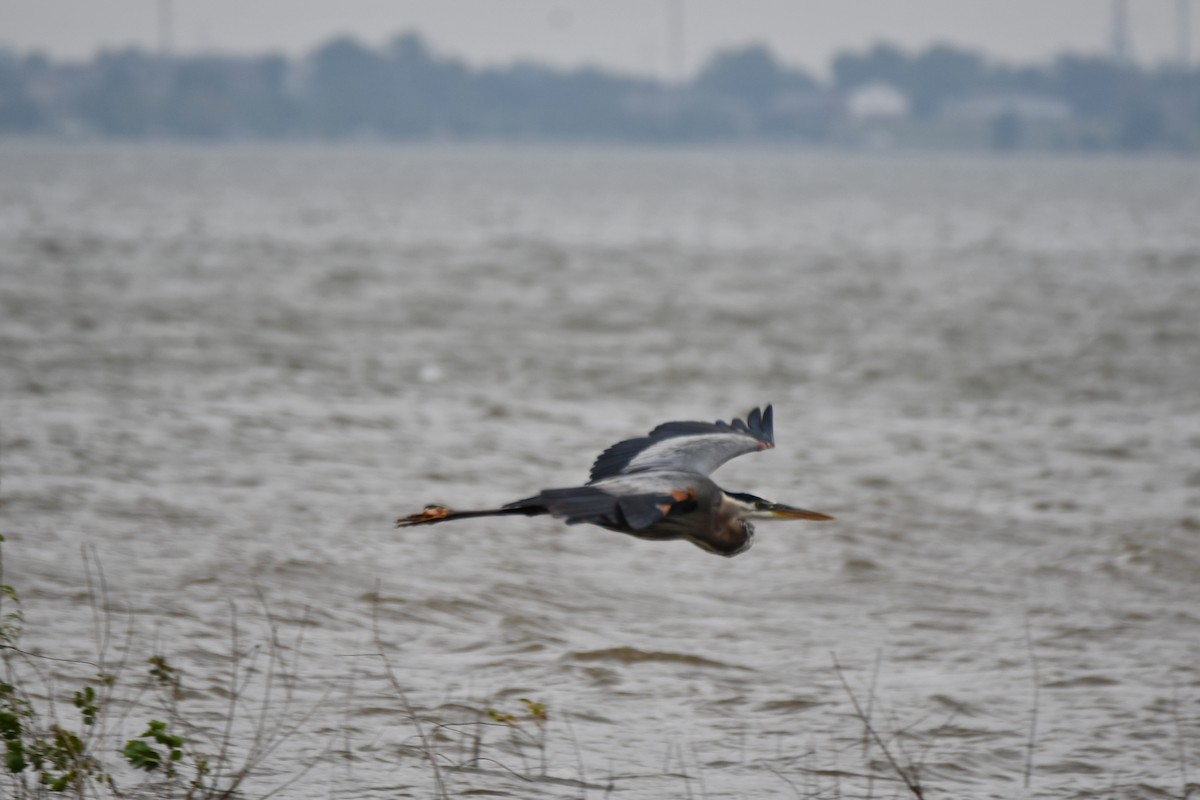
x,y
944,98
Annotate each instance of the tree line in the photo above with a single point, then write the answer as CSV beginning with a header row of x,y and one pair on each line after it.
x,y
403,90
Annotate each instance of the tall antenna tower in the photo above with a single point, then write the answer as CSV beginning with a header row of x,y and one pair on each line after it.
x,y
1183,33
164,28
1120,46
675,40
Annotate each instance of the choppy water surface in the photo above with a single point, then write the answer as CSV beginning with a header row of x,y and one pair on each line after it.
x,y
227,371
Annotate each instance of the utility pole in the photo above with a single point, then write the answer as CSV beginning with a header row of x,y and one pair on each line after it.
x,y
675,41
164,28
1183,33
1120,46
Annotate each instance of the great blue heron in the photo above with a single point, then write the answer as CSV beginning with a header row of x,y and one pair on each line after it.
x,y
657,487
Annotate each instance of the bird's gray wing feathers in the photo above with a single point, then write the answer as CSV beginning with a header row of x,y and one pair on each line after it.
x,y
576,504
688,446
598,507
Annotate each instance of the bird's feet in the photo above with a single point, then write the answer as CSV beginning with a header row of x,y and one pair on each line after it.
x,y
431,513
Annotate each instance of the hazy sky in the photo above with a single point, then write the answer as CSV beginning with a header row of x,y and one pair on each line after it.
x,y
629,35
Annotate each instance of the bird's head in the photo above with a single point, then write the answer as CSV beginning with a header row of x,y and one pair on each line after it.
x,y
754,507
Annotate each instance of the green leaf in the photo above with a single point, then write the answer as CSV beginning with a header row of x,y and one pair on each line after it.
x,y
141,755
10,726
61,783
14,757
85,702
501,716
536,710
68,743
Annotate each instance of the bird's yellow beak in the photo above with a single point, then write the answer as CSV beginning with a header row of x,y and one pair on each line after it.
x,y
790,512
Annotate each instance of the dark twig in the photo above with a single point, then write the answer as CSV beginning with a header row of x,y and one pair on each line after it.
x,y
911,781
1183,776
231,711
866,743
1033,712
426,747
578,757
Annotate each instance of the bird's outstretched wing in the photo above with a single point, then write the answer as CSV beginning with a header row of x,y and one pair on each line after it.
x,y
688,446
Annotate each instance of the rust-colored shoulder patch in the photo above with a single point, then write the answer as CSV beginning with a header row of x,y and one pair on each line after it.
x,y
684,501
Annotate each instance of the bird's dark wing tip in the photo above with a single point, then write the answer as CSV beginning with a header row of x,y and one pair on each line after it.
x,y
764,424
759,423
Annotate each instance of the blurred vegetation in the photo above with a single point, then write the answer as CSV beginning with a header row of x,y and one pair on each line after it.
x,y
406,91
225,739
53,748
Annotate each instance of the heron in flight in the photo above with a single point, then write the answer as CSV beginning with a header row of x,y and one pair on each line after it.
x,y
658,487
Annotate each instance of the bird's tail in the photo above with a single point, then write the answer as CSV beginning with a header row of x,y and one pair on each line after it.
x,y
433,514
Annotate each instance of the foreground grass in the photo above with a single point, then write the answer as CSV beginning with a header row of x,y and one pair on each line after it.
x,y
104,727
128,722
129,725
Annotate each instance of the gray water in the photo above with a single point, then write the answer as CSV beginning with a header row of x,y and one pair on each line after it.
x,y
226,371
